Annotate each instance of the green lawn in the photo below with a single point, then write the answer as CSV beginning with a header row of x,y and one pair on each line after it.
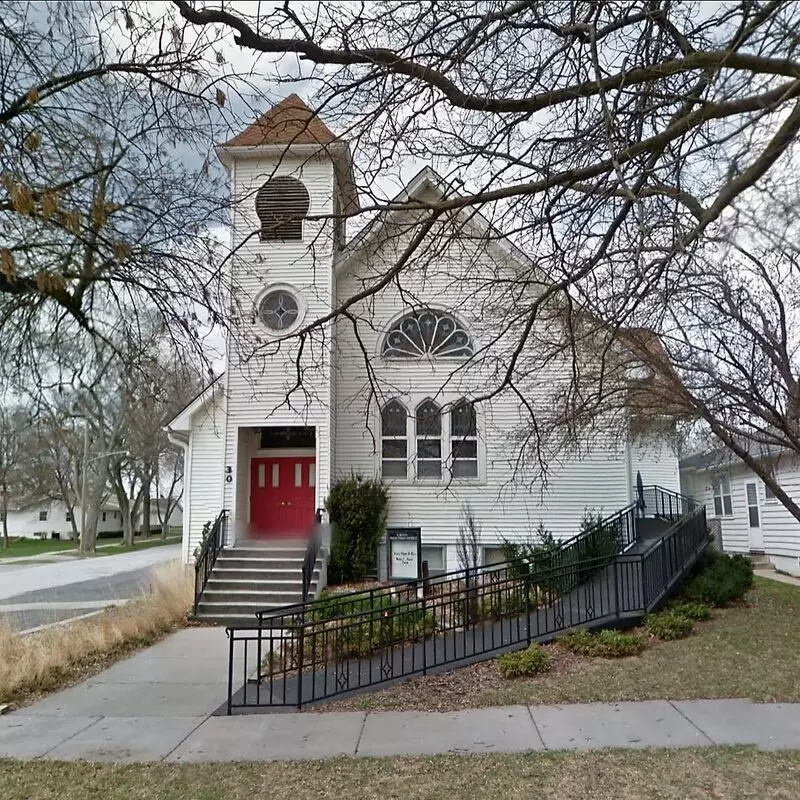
x,y
25,548
141,544
750,651
33,547
701,774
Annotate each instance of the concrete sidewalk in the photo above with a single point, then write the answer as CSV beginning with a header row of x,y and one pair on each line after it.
x,y
157,706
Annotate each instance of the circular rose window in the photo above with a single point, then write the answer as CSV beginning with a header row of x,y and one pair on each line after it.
x,y
279,310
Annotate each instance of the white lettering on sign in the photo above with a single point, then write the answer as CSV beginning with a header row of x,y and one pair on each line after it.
x,y
405,559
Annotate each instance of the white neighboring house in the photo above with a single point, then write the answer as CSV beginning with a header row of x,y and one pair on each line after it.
x,y
270,463
50,519
751,519
157,510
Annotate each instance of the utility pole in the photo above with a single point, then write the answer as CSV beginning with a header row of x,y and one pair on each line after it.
x,y
82,548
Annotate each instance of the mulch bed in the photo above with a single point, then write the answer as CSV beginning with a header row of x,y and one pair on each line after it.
x,y
453,690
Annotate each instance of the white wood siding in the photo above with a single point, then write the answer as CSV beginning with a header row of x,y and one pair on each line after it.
x,y
781,531
654,456
509,499
262,372
204,499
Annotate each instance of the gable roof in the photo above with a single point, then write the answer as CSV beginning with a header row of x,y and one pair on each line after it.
x,y
426,180
182,420
289,122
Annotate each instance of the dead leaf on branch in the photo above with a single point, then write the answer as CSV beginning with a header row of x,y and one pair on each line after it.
x,y
21,199
50,283
49,204
32,142
33,95
7,265
220,98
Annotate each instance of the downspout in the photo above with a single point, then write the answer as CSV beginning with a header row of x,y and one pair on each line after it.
x,y
629,462
183,441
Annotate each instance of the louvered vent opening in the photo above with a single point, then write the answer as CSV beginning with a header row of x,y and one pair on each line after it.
x,y
281,205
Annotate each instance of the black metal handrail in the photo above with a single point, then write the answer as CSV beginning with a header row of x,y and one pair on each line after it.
x,y
312,552
207,556
663,503
344,643
618,529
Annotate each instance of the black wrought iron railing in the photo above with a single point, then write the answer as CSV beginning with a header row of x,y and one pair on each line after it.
x,y
207,556
312,553
660,503
342,643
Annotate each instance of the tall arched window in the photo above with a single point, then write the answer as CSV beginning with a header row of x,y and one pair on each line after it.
x,y
427,332
429,440
281,205
394,440
464,440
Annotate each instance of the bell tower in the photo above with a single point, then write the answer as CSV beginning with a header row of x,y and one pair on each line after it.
x,y
291,187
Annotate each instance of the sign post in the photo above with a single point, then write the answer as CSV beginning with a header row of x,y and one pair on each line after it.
x,y
404,553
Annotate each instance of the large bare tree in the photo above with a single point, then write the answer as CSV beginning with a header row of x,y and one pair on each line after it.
x,y
627,148
107,119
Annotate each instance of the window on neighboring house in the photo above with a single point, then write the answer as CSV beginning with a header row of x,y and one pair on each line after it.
x,y
281,204
104,516
427,332
68,516
769,495
394,440
429,440
43,515
436,556
723,505
464,440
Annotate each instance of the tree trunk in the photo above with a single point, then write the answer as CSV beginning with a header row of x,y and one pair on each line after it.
x,y
6,542
127,527
146,482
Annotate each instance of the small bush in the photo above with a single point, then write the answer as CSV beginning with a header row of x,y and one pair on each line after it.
x,y
357,507
668,625
605,644
722,580
693,611
532,661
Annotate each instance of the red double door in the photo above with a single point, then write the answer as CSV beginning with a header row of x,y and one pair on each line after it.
x,y
282,494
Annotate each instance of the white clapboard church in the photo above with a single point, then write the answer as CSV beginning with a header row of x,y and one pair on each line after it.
x,y
388,389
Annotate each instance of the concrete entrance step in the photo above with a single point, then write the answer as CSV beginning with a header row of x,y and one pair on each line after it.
x,y
246,608
295,584
261,564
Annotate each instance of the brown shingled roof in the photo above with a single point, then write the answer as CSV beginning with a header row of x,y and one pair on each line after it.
x,y
289,122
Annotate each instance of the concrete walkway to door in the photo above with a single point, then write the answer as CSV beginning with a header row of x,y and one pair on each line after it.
x,y
159,706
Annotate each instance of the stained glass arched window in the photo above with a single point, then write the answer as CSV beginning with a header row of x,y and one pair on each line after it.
x,y
394,440
429,440
427,332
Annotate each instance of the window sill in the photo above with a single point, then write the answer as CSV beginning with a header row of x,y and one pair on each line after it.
x,y
434,482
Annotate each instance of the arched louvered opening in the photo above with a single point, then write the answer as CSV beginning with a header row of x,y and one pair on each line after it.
x,y
427,332
281,204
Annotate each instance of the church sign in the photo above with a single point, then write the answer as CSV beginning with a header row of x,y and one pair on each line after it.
x,y
405,553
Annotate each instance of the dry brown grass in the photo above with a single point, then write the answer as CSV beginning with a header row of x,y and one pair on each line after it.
x,y
33,664
713,773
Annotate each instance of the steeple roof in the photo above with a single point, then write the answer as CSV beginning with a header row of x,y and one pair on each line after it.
x,y
289,122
